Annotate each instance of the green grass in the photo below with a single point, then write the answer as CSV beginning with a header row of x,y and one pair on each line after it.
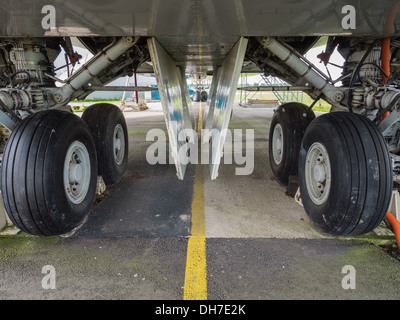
x,y
95,100
306,99
98,100
321,105
322,108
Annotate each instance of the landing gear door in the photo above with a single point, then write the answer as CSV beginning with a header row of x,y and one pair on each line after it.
x,y
228,77
176,112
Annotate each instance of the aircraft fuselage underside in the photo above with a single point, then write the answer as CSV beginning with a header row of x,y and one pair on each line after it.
x,y
347,160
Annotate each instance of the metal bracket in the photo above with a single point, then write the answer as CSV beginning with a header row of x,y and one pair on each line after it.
x,y
228,77
6,121
171,85
394,207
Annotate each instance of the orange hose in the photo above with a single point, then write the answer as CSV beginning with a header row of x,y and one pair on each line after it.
x,y
385,115
395,226
389,22
388,30
385,57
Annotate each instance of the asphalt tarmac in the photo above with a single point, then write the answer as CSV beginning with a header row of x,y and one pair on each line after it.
x,y
259,243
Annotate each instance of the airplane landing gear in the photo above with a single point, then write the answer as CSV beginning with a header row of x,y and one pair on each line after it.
x,y
345,174
286,132
49,173
343,165
107,124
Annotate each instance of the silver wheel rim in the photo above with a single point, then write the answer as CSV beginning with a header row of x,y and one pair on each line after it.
x,y
277,144
119,144
76,172
318,173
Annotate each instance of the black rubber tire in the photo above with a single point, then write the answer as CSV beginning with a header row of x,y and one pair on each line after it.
x,y
361,174
203,96
32,173
294,119
196,96
102,119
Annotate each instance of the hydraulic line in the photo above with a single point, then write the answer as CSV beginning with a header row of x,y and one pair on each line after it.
x,y
304,69
92,68
385,58
388,30
355,76
395,224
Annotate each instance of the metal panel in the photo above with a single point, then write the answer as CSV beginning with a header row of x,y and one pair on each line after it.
x,y
6,121
191,19
209,109
175,110
186,102
228,78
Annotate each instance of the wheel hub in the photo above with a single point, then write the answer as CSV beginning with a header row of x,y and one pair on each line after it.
x,y
318,173
76,172
277,144
119,144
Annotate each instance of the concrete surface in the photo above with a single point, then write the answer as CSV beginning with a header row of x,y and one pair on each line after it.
x,y
260,243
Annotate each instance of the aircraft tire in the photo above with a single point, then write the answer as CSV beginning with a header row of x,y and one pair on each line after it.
x,y
287,128
49,173
345,174
196,96
108,126
203,96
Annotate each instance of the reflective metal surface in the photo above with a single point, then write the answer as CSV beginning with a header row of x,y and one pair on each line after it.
x,y
197,33
199,18
228,77
177,116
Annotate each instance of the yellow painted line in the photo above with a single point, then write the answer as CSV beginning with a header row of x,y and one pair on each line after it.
x,y
196,264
